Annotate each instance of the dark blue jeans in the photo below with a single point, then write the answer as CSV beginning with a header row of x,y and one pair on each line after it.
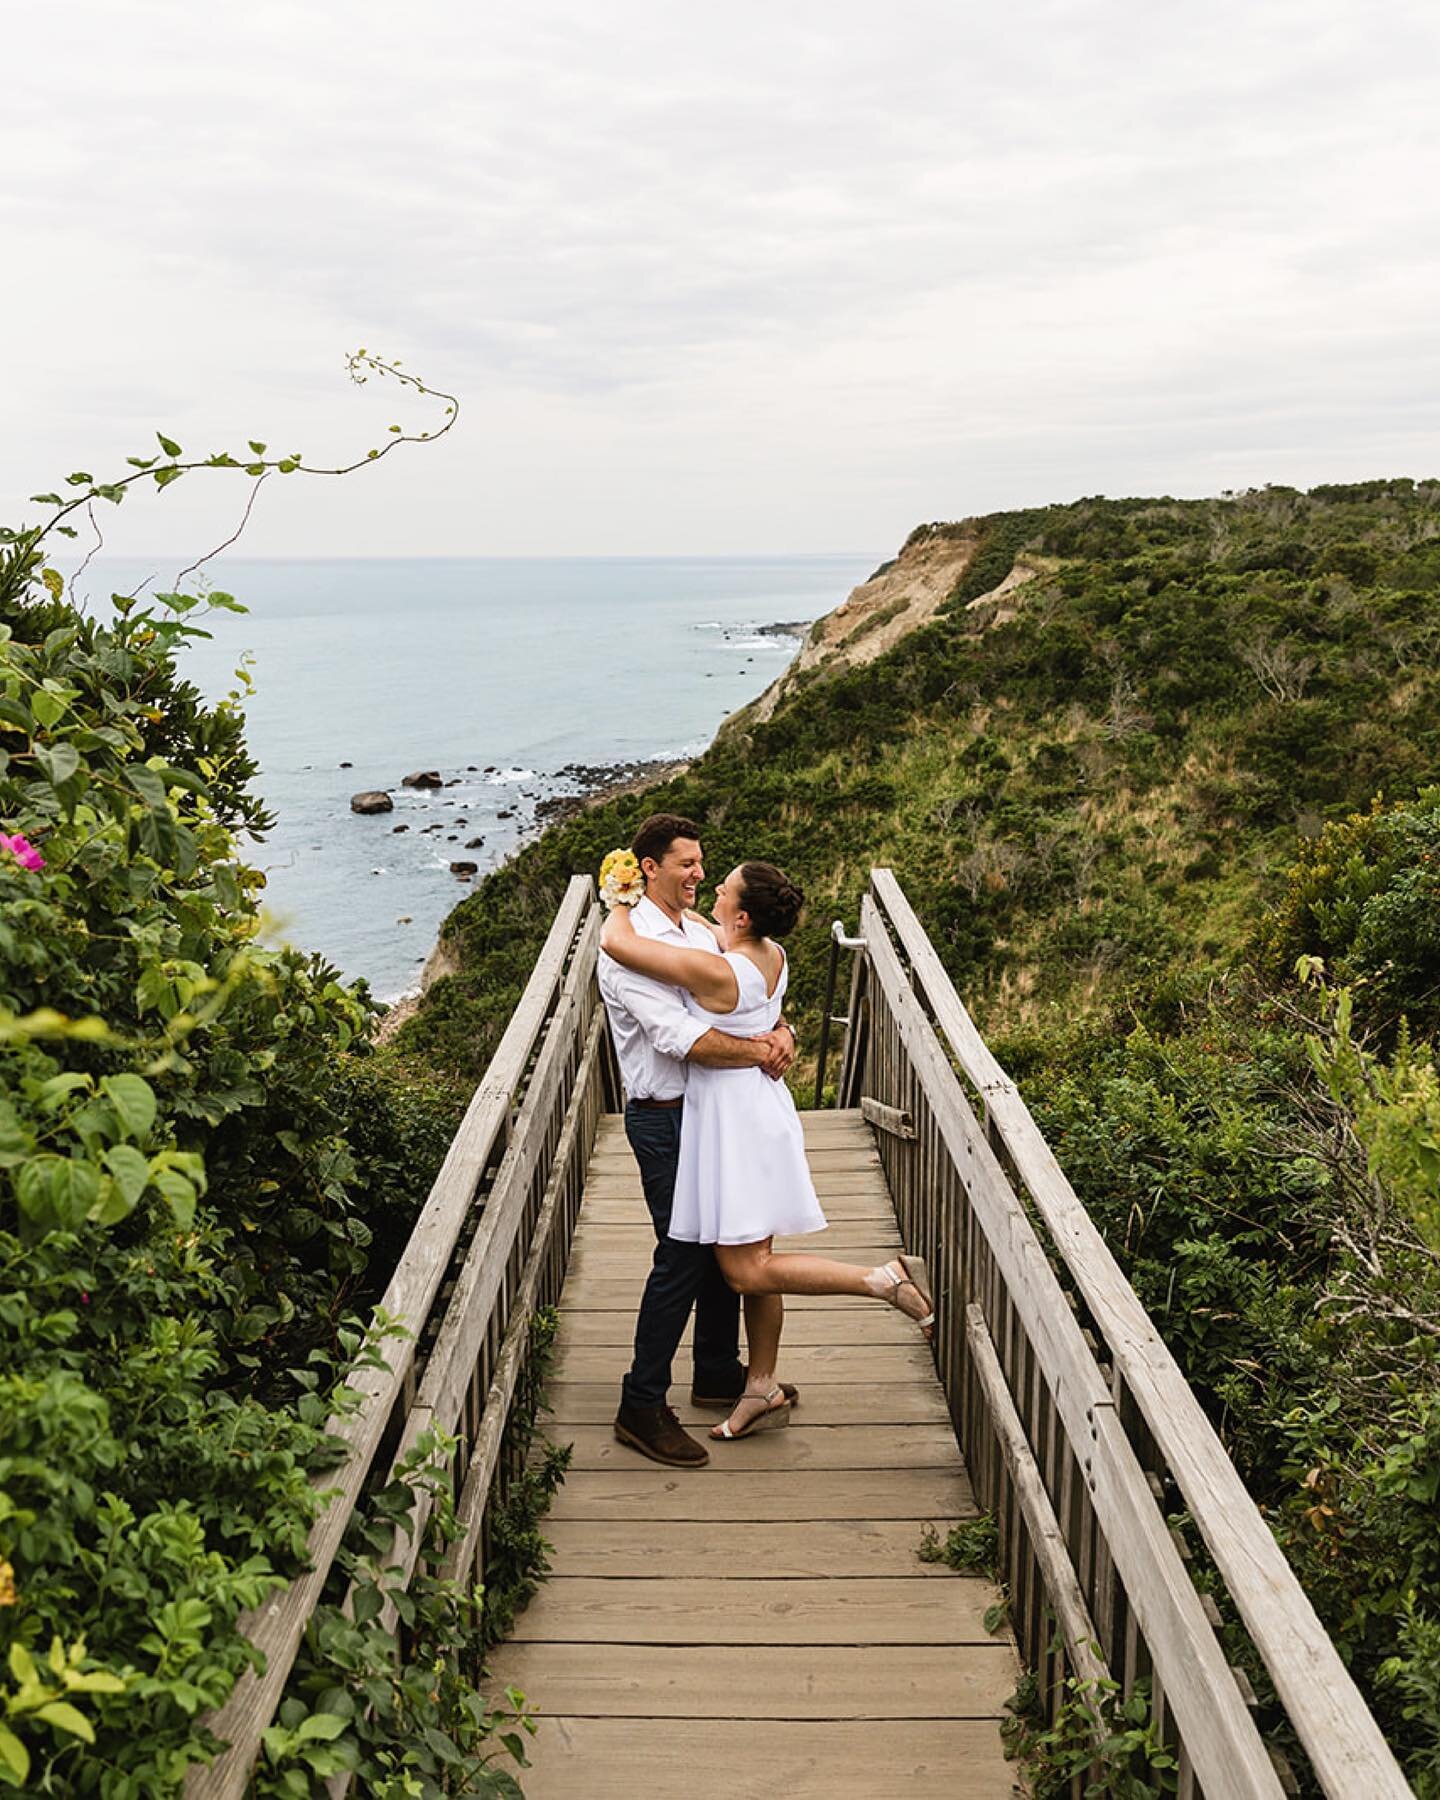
x,y
682,1276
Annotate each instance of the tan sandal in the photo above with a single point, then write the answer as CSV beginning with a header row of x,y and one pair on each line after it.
x,y
768,1418
915,1275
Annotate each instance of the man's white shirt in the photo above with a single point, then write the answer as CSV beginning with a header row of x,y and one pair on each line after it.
x,y
653,1029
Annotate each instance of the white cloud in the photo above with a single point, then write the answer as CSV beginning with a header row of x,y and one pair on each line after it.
x,y
753,278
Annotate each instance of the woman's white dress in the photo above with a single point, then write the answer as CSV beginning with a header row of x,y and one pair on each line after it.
x,y
743,1174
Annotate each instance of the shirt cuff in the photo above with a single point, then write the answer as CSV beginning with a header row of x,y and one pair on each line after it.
x,y
679,1038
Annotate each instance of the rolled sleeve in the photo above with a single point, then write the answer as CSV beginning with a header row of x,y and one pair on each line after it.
x,y
659,1012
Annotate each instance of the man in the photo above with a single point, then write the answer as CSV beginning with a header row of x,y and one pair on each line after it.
x,y
655,1035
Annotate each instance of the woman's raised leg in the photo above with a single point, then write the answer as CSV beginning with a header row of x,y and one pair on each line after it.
x,y
756,1269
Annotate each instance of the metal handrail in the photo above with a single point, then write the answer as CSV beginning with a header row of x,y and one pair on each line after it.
x,y
829,1017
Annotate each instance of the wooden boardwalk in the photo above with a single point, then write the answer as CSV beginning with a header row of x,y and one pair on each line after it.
x,y
762,1625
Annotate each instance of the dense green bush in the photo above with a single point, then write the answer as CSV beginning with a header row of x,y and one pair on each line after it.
x,y
1365,897
205,1169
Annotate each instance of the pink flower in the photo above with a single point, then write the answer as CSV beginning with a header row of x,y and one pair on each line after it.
x,y
22,850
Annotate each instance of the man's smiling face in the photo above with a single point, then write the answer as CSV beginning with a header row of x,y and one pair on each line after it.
x,y
674,881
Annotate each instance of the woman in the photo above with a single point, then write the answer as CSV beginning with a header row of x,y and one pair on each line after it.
x,y
743,1179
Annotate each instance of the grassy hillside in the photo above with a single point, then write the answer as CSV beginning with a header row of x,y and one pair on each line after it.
x,y
1092,780
1189,744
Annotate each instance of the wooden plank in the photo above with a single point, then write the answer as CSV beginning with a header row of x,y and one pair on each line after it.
x,y
629,1209
836,1549
833,1759
824,1157
856,1326
1228,1753
799,1445
828,1363
645,1491
1344,1743
891,1403
744,1610
760,1681
893,1120
275,1628
617,1183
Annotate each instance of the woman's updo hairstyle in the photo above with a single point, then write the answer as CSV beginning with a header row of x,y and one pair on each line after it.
x,y
772,900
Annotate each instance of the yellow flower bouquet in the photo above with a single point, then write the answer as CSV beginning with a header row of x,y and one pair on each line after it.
x,y
621,883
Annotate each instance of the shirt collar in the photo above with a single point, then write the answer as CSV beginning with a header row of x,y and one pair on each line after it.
x,y
660,923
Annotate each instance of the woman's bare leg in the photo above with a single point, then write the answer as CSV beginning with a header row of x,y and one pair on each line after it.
x,y
756,1269
764,1320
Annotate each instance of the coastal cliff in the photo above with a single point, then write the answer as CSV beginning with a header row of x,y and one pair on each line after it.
x,y
898,598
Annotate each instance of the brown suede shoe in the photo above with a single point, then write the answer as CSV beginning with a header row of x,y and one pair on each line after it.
x,y
726,1402
655,1432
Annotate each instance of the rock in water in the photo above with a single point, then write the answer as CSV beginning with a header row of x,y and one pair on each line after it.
x,y
376,800
425,778
464,869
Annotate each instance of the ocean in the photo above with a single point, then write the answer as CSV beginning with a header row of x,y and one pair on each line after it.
x,y
496,673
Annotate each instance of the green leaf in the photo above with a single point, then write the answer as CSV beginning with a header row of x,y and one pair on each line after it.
x,y
22,1665
58,1192
47,707
288,465
131,1173
81,478
96,1681
54,1092
182,778
142,462
321,1725
59,761
14,1756
259,449
163,477
168,445
65,1717
48,499
112,1206
148,785
179,1196
366,1604
134,1100
17,713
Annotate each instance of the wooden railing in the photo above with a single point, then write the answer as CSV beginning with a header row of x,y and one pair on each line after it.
x,y
489,1249
1080,1432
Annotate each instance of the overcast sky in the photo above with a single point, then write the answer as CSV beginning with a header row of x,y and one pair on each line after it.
x,y
778,277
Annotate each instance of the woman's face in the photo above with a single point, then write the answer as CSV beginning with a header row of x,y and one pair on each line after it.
x,y
730,916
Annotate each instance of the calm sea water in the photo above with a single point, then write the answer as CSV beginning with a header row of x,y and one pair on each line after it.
x,y
515,666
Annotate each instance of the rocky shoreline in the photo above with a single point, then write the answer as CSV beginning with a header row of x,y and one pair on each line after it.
x,y
592,784
531,802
